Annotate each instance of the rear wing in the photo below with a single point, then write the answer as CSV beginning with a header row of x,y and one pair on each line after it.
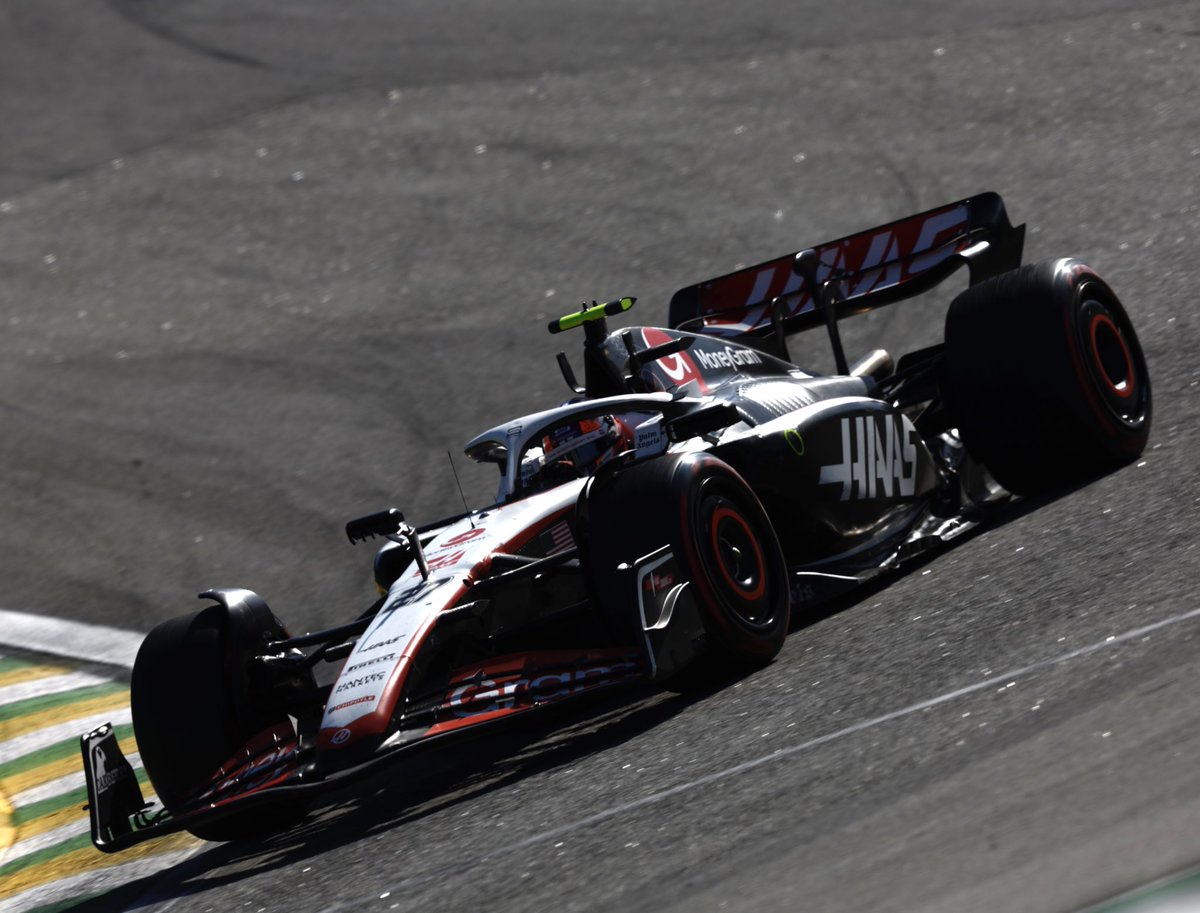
x,y
854,274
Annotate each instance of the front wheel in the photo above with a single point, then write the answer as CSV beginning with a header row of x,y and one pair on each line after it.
x,y
722,545
194,704
1045,377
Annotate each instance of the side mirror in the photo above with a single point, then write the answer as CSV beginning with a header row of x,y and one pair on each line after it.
x,y
385,523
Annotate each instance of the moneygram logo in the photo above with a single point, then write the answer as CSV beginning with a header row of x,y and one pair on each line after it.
x,y
729,357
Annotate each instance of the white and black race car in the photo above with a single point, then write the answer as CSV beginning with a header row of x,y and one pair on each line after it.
x,y
695,499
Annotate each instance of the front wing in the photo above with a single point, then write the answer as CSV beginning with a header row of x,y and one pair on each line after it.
x,y
276,765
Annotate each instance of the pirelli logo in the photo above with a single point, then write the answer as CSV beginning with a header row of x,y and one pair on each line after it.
x,y
369,662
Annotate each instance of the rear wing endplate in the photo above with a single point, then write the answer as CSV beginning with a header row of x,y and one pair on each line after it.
x,y
862,271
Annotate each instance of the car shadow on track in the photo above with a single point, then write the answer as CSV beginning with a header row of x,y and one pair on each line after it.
x,y
989,519
556,737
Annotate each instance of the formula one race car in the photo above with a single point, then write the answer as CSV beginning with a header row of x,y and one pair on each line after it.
x,y
697,494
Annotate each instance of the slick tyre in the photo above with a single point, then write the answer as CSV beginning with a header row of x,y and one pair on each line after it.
x,y
1044,376
192,710
727,551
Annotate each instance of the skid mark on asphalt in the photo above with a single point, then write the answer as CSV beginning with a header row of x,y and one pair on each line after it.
x,y
46,854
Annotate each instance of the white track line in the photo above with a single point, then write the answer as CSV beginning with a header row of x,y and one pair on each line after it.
x,y
781,753
52,684
70,639
777,755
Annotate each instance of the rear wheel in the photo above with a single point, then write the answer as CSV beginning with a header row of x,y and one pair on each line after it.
x,y
1045,377
724,545
194,704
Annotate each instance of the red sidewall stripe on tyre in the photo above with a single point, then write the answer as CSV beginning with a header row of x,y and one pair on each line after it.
x,y
707,598
1130,373
1082,372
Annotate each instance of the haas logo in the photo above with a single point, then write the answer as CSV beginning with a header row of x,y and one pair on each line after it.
x,y
879,458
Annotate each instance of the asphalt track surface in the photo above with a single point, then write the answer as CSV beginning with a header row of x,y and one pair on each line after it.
x,y
259,270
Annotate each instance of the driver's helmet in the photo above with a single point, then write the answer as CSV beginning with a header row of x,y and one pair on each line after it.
x,y
588,443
